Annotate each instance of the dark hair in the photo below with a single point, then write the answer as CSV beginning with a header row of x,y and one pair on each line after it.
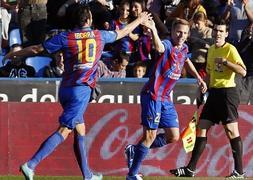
x,y
219,21
140,64
123,55
123,2
77,14
141,2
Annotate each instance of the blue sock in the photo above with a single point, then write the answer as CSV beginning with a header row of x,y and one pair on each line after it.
x,y
80,152
159,141
140,153
45,149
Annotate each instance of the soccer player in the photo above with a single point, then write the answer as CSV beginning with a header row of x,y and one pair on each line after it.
x,y
158,110
82,48
223,62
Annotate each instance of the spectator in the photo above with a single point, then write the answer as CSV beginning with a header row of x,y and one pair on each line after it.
x,y
5,19
54,21
116,69
199,41
214,8
67,3
239,13
17,68
142,45
155,6
33,19
125,44
138,6
12,8
56,67
101,15
186,9
140,69
245,49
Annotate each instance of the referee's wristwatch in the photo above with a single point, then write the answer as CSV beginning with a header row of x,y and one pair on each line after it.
x,y
225,63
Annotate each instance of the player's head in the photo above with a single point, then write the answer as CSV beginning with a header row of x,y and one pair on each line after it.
x,y
180,31
220,32
79,15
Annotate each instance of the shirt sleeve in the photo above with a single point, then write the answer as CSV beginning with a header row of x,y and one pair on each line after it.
x,y
54,44
109,36
235,57
167,45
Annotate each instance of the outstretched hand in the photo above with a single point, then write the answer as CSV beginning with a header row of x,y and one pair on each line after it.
x,y
245,2
145,16
149,23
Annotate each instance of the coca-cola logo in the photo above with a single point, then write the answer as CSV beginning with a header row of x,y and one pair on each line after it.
x,y
109,135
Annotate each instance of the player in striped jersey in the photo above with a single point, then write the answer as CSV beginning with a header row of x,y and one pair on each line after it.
x,y
158,110
82,48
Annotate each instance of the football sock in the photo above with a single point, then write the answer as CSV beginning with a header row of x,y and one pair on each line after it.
x,y
159,141
198,149
140,153
45,149
80,152
237,150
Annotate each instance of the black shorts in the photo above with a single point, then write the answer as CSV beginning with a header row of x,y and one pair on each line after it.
x,y
221,105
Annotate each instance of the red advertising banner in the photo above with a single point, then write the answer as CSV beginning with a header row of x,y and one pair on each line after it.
x,y
110,127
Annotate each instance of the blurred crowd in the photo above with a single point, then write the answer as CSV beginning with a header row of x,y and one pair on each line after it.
x,y
28,22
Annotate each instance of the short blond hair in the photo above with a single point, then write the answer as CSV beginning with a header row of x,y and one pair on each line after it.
x,y
178,21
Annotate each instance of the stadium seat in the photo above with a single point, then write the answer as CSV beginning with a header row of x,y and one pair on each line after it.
x,y
15,37
1,59
39,63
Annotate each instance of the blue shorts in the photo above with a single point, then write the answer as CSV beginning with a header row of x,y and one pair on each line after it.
x,y
158,114
74,101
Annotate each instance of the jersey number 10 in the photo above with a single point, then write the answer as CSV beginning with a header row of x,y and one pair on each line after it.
x,y
86,54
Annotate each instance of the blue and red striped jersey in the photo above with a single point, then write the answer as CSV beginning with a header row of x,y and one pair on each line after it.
x,y
166,71
145,47
125,44
82,49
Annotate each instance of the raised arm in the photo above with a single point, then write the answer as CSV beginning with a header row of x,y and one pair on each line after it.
x,y
156,40
28,51
144,16
248,10
226,14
